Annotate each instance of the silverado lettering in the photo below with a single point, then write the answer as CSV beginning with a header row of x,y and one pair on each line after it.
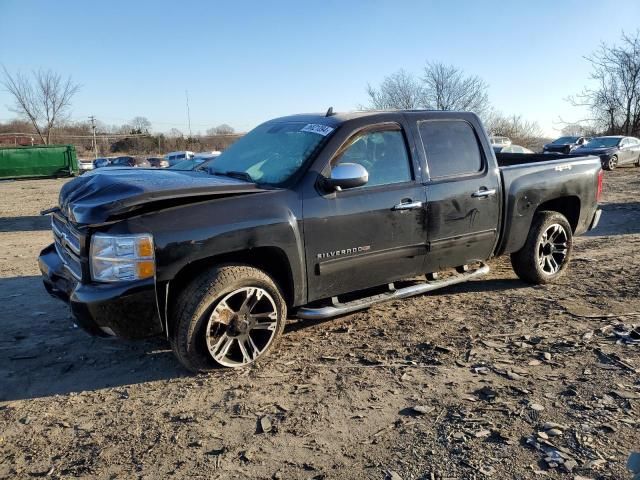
x,y
347,251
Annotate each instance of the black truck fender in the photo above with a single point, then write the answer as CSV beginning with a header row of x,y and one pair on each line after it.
x,y
529,192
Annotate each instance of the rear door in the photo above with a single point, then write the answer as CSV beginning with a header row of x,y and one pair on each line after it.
x,y
463,194
370,235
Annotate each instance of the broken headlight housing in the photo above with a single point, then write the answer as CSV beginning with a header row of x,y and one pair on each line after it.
x,y
118,258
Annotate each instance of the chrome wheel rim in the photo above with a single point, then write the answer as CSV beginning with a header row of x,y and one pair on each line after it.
x,y
552,249
241,326
613,161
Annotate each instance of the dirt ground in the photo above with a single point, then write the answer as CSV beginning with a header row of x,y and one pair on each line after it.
x,y
488,379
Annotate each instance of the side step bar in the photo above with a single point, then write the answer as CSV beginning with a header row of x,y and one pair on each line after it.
x,y
339,308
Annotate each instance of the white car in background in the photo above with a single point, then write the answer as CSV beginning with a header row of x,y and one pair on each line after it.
x,y
193,162
510,149
84,165
175,157
500,141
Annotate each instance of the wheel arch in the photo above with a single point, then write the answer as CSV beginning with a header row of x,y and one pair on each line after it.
x,y
518,225
271,260
569,206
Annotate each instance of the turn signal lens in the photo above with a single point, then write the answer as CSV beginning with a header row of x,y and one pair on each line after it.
x,y
145,247
145,268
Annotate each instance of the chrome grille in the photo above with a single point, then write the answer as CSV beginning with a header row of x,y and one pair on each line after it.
x,y
67,242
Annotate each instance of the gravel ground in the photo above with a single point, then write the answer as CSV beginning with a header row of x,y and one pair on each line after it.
x,y
492,378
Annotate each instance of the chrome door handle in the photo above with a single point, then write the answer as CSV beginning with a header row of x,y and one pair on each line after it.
x,y
408,206
484,193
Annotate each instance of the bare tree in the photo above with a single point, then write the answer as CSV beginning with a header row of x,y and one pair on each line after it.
x,y
44,99
175,133
140,125
223,129
443,87
614,101
446,87
576,129
520,131
400,90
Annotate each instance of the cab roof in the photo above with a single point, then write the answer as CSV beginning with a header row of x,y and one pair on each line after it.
x,y
338,118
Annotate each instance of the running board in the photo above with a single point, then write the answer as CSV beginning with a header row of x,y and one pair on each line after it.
x,y
338,308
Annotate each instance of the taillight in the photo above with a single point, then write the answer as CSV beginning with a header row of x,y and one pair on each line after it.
x,y
599,189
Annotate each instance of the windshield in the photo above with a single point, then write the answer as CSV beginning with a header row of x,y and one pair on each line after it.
x,y
603,142
564,140
272,152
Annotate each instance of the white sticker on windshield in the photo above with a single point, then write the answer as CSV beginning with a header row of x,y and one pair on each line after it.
x,y
323,130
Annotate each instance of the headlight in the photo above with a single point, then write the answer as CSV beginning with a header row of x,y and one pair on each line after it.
x,y
117,258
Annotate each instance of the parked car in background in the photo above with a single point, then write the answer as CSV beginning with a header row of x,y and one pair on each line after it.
x,y
85,165
613,150
500,141
158,162
192,163
102,162
510,149
127,161
175,157
565,144
189,164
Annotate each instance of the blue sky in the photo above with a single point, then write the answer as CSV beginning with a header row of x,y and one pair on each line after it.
x,y
244,62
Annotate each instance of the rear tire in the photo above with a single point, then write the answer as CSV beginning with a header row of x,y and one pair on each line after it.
x,y
637,164
611,164
546,253
229,316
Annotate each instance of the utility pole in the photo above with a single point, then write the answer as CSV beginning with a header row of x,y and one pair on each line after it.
x,y
95,143
186,94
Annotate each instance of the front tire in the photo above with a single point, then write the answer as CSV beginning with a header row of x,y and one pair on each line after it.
x,y
546,253
611,164
229,316
637,164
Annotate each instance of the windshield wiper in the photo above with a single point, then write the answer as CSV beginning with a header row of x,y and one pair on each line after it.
x,y
234,174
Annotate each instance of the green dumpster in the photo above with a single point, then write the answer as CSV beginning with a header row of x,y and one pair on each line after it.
x,y
38,161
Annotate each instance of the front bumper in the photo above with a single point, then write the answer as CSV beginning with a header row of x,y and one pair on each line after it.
x,y
127,309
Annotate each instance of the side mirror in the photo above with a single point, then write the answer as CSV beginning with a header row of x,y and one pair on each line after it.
x,y
347,175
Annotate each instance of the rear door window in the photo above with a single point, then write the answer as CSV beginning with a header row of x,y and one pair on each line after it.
x,y
451,147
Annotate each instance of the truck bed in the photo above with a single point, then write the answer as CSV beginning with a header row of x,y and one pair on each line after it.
x,y
509,159
529,181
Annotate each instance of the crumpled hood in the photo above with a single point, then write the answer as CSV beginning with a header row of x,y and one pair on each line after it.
x,y
103,194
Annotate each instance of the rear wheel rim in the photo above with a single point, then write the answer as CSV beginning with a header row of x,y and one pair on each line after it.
x,y
241,326
552,249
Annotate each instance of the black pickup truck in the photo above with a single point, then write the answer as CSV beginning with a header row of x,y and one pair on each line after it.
x,y
308,215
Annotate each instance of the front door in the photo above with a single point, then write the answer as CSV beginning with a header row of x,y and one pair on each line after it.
x,y
370,235
463,195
